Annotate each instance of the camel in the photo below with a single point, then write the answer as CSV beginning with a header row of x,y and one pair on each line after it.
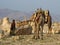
x,y
44,18
48,20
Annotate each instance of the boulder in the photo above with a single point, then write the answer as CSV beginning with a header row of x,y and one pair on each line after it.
x,y
1,34
6,26
15,38
24,30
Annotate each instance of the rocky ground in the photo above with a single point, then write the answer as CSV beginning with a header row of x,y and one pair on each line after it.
x,y
27,40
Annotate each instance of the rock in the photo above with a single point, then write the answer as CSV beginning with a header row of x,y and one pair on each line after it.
x,y
1,34
6,26
26,30
56,27
15,38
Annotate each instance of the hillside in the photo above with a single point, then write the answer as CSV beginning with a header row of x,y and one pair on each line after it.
x,y
13,14
19,15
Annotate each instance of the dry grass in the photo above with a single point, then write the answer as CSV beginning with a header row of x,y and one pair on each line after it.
x,y
27,40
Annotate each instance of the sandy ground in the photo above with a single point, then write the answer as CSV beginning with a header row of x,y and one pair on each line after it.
x,y
27,40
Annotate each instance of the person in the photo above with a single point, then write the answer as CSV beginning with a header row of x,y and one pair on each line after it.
x,y
13,27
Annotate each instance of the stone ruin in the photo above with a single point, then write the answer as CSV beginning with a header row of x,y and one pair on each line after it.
x,y
23,28
5,26
55,27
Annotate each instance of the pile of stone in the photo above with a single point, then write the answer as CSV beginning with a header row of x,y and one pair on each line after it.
x,y
1,34
5,27
24,30
56,27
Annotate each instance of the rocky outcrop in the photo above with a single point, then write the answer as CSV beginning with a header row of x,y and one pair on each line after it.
x,y
56,27
1,34
6,26
24,30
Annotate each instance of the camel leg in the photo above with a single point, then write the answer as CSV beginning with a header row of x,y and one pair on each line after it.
x,y
36,32
42,33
